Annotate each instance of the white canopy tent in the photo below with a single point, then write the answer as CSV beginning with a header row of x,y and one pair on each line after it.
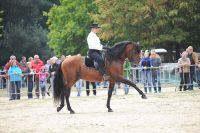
x,y
161,50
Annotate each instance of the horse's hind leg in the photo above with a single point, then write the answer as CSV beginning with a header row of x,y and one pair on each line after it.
x,y
110,90
68,90
62,104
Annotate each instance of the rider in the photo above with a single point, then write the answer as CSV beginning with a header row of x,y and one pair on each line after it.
x,y
95,48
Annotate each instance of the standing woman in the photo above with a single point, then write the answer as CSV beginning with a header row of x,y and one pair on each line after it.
x,y
184,69
15,76
52,69
145,63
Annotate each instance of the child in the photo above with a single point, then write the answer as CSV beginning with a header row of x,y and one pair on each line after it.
x,y
42,78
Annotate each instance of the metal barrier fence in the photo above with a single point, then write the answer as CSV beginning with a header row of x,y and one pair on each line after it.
x,y
167,74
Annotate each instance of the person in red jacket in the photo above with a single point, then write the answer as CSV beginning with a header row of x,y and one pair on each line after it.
x,y
36,66
8,64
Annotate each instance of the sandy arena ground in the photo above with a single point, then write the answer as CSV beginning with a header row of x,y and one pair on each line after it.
x,y
168,112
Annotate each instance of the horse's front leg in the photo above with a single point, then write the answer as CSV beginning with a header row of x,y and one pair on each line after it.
x,y
110,90
128,82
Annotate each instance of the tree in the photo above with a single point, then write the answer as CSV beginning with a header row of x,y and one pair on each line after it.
x,y
1,23
69,25
25,30
121,20
155,23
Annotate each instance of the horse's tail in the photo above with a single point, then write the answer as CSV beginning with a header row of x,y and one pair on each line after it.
x,y
58,84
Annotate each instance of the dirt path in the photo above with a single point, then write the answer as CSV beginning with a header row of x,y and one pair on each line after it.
x,y
168,112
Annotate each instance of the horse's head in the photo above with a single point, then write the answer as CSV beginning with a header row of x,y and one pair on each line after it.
x,y
123,50
133,52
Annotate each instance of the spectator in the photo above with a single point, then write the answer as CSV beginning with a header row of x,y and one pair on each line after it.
x,y
62,58
30,59
24,68
15,76
88,88
1,78
52,69
145,63
141,54
127,71
155,63
78,87
36,66
23,64
8,64
6,68
47,65
184,68
30,79
194,73
43,77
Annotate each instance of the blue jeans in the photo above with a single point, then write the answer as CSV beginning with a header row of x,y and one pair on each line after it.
x,y
30,89
43,87
146,78
194,76
126,88
156,79
78,87
15,89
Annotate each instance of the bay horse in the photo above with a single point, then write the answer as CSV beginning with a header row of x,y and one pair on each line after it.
x,y
73,68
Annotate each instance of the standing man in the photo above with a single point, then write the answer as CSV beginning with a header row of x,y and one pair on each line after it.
x,y
95,48
194,73
36,66
88,88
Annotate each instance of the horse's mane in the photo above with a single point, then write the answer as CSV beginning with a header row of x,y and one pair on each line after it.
x,y
115,51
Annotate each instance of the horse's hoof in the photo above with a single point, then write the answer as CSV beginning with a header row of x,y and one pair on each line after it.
x,y
72,112
59,108
110,110
144,97
48,93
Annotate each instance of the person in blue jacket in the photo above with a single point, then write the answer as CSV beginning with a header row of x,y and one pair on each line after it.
x,y
145,63
15,77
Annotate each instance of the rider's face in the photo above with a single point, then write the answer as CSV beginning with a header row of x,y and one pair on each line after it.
x,y
95,30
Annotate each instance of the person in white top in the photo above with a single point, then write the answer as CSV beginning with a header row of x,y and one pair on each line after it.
x,y
95,48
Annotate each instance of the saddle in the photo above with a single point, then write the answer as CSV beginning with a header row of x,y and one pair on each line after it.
x,y
91,63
